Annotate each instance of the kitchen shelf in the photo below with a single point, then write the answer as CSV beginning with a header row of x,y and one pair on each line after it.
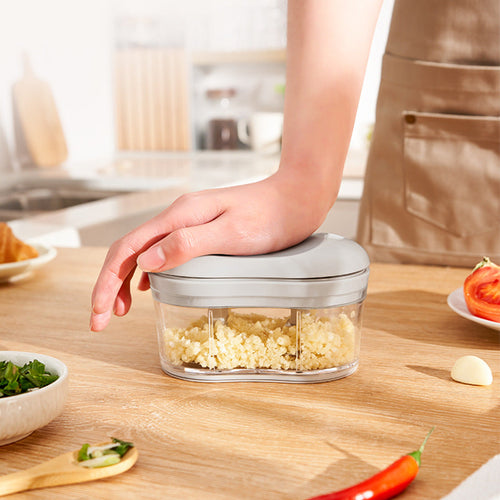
x,y
207,58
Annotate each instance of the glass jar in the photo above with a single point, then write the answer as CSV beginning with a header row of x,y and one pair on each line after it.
x,y
288,316
222,122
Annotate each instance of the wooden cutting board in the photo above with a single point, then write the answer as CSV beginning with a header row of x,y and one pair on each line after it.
x,y
151,99
39,122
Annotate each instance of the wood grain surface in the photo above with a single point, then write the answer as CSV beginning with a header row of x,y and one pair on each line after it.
x,y
257,440
151,99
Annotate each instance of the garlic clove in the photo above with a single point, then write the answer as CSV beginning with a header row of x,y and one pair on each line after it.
x,y
471,370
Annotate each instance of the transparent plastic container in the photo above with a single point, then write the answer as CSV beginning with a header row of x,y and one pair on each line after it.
x,y
288,316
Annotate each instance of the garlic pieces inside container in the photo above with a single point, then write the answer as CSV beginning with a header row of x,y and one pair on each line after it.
x,y
471,370
288,316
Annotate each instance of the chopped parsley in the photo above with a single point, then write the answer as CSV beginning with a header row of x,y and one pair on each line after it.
x,y
20,379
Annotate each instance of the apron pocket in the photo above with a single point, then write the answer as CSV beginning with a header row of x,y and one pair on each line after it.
x,y
452,171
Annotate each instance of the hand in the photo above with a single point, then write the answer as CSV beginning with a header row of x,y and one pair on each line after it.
x,y
327,48
250,219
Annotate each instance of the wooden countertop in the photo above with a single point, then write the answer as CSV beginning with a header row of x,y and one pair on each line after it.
x,y
258,440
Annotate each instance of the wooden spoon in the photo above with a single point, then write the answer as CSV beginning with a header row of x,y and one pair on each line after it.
x,y
63,469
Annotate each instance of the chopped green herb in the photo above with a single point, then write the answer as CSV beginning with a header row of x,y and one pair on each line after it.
x,y
101,456
19,379
123,446
103,461
83,454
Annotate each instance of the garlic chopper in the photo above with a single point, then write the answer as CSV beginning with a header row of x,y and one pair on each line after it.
x,y
287,316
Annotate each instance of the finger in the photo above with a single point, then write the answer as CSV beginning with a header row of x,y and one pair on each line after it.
x,y
118,265
99,321
143,282
186,243
124,298
121,258
122,303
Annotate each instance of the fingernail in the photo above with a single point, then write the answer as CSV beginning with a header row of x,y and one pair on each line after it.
x,y
152,259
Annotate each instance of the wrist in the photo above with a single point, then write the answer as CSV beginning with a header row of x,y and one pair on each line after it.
x,y
312,178
313,192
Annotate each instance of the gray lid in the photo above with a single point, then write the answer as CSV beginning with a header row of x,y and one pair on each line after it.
x,y
322,271
321,255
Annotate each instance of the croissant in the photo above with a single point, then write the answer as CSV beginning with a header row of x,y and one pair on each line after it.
x,y
13,249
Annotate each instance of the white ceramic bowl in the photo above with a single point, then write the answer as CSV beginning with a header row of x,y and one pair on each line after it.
x,y
22,414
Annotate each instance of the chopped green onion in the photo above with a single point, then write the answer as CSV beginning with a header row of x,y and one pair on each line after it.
x,y
104,461
123,447
83,454
94,449
101,456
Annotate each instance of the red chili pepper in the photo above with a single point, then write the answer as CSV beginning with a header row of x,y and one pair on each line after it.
x,y
386,483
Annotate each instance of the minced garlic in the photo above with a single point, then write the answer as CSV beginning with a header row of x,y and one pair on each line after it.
x,y
257,341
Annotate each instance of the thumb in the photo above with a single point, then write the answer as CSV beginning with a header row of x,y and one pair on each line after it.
x,y
182,245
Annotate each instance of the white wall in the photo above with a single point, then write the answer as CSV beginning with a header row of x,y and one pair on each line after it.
x,y
70,45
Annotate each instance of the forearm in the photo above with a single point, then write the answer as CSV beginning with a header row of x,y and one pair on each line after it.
x,y
327,51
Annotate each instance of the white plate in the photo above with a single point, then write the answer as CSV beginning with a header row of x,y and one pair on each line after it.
x,y
456,301
12,271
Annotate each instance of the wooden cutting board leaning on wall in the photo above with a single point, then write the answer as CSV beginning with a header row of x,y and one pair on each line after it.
x,y
151,99
38,119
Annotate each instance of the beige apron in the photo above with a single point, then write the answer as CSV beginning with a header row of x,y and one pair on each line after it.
x,y
432,185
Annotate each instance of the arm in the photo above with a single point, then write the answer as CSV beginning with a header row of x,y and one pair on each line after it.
x,y
328,46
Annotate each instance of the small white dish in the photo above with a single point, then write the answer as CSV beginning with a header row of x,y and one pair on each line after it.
x,y
22,414
456,301
12,271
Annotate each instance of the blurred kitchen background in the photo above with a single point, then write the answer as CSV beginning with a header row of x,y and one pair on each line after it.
x,y
156,77
150,75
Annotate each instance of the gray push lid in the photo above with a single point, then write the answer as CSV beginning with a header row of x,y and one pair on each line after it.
x,y
323,271
321,255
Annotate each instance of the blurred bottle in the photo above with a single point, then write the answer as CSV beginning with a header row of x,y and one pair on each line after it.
x,y
222,123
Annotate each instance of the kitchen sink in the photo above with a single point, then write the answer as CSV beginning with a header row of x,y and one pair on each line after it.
x,y
35,197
